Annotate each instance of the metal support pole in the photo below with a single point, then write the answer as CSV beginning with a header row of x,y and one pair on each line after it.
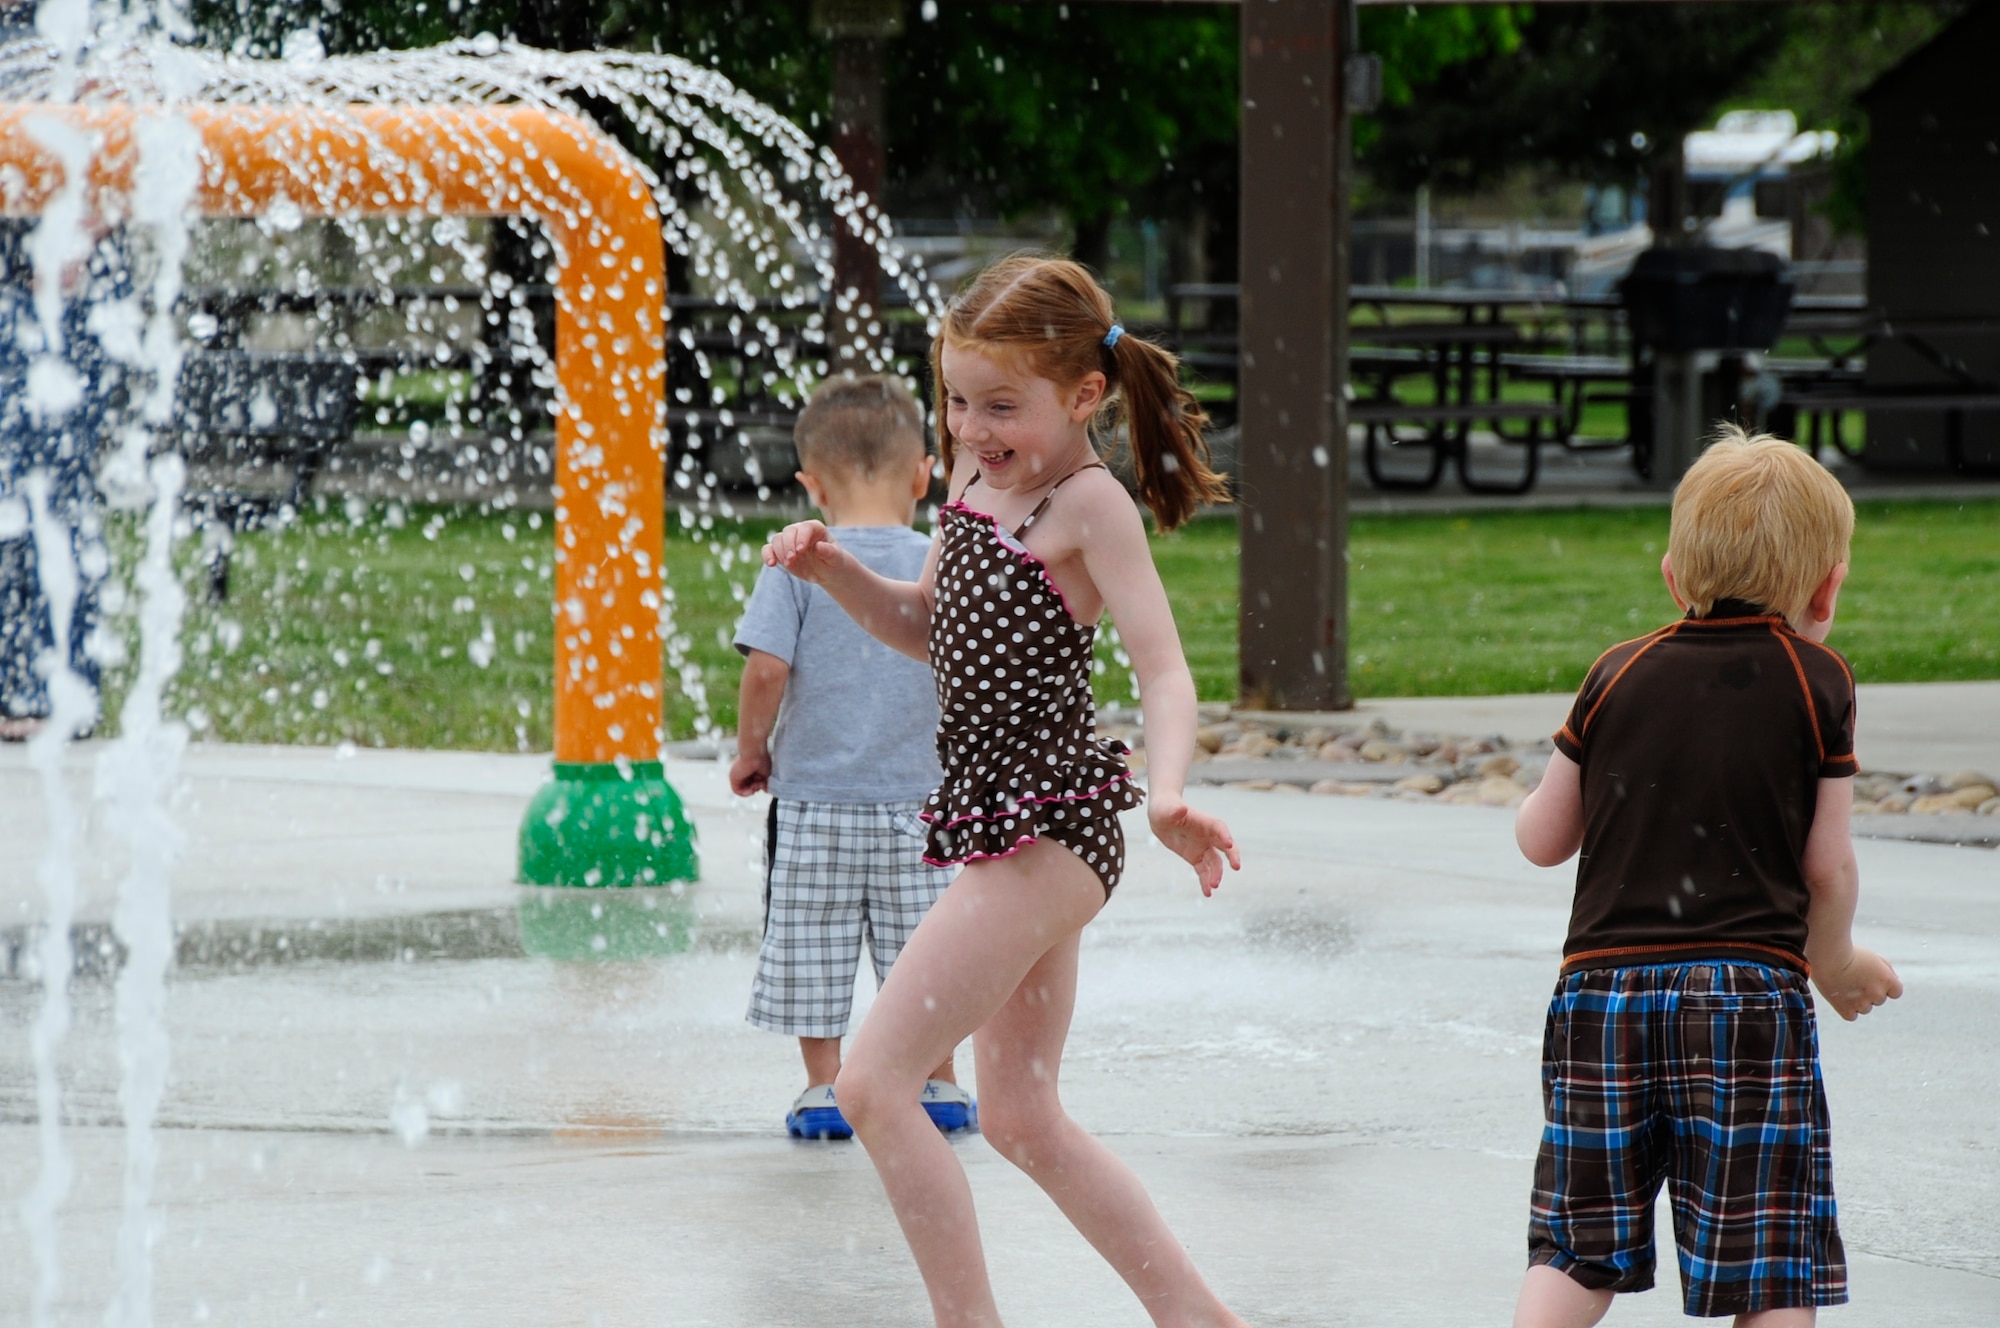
x,y
1678,420
1677,416
1293,484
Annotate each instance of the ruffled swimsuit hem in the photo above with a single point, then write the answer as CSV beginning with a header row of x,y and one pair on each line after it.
x,y
1085,824
1019,844
1021,809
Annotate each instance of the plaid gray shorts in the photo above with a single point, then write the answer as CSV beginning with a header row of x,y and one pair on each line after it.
x,y
834,871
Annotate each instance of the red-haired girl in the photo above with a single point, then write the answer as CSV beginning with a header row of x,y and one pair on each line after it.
x,y
1037,543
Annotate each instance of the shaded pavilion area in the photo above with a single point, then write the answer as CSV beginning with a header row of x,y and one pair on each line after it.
x,y
1304,78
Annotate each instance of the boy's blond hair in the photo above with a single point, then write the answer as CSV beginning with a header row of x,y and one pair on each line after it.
x,y
1757,519
857,425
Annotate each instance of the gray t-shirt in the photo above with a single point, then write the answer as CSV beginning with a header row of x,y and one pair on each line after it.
x,y
858,722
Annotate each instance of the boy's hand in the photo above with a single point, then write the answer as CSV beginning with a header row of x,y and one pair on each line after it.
x,y
750,772
1203,840
1858,986
806,549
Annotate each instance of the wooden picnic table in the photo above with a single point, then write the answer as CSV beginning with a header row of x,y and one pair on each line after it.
x,y
1464,360
1817,393
1536,309
1455,357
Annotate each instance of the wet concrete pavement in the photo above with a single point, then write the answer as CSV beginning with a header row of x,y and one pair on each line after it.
x,y
1327,1075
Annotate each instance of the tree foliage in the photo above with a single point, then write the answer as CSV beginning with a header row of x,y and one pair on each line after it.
x,y
1090,109
1417,44
1086,108
1592,92
1831,55
1598,92
768,47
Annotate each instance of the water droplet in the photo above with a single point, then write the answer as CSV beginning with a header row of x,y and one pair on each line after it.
x,y
284,216
302,48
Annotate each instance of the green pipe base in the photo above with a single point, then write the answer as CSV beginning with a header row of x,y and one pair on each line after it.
x,y
607,825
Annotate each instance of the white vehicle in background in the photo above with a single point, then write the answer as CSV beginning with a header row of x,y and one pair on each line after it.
x,y
1745,187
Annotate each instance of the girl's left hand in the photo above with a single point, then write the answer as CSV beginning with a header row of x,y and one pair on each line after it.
x,y
1203,840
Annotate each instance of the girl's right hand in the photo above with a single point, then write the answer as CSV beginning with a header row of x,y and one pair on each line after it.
x,y
806,549
1202,840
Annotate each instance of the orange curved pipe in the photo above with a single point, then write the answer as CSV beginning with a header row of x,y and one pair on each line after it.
x,y
365,161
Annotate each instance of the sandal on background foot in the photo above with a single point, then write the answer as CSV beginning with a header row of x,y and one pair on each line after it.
x,y
815,1116
949,1106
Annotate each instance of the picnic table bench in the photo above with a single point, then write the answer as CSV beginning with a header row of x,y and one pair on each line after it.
x,y
237,409
1952,403
733,384
1447,437
1577,382
1455,356
1469,344
1820,393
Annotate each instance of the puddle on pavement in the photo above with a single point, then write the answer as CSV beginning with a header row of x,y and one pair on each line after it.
x,y
583,925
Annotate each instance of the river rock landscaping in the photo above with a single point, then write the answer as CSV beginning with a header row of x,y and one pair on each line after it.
x,y
1372,760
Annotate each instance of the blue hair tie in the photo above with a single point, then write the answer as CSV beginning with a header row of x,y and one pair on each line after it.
x,y
1111,337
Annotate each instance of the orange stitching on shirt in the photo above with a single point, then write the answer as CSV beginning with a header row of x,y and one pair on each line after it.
x,y
1654,640
1853,757
1812,711
1825,649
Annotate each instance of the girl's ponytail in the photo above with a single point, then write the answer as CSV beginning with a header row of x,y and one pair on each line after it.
x,y
1164,423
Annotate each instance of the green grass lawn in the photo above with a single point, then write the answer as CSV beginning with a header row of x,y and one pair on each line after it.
x,y
434,631
429,628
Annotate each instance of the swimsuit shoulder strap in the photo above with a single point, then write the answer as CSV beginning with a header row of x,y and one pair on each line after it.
x,y
1049,497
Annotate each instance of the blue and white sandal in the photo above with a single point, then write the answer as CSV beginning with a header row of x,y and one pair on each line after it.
x,y
950,1107
814,1116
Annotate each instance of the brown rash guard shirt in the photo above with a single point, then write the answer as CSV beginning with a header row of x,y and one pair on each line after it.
x,y
1701,748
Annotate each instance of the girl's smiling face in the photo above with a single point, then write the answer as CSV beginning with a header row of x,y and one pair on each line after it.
x,y
1022,430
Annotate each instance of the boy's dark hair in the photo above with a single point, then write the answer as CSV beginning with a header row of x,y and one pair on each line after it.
x,y
856,425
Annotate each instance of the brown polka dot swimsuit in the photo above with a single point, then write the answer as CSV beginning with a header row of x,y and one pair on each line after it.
x,y
1017,735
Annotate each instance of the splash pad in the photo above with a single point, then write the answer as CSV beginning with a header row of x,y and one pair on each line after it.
x,y
608,816
117,126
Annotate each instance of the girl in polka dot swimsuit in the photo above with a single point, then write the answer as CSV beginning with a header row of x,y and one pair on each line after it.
x,y
1037,543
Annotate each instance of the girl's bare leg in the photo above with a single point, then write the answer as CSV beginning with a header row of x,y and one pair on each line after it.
x,y
961,965
1019,1054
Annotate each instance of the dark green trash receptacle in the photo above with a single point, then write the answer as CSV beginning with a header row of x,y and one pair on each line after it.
x,y
1680,304
1681,300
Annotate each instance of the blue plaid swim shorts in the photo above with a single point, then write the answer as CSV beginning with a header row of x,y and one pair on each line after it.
x,y
836,873
1704,1076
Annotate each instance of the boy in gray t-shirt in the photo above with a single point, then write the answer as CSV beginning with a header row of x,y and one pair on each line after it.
x,y
842,732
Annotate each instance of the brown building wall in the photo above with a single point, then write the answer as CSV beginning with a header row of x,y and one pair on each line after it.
x,y
1933,208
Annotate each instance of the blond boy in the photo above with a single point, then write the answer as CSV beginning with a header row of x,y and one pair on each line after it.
x,y
1705,774
842,732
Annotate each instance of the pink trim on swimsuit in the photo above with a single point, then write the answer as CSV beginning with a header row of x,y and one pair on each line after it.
x,y
1123,778
1019,844
1020,551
